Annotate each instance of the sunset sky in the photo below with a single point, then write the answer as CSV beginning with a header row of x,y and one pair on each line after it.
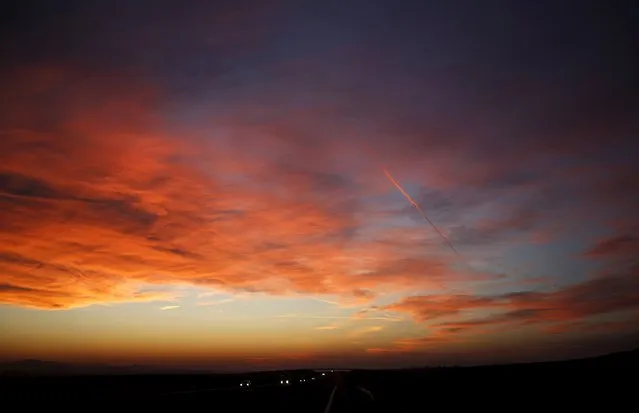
x,y
202,183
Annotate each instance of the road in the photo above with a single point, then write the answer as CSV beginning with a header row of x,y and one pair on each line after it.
x,y
370,392
330,394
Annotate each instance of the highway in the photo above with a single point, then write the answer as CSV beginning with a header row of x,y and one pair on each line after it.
x,y
338,392
400,393
330,394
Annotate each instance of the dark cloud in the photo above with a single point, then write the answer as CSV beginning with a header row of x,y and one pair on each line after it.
x,y
627,245
13,288
599,296
24,186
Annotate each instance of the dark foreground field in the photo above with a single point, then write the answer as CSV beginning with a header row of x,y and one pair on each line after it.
x,y
560,385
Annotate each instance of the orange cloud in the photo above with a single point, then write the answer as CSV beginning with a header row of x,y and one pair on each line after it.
x,y
328,327
368,330
436,338
378,350
100,204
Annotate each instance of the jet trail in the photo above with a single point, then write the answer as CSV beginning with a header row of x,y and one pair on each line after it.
x,y
417,207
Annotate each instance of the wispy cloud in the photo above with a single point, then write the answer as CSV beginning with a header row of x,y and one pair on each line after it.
x,y
207,294
313,317
328,327
169,307
368,330
324,300
561,309
215,302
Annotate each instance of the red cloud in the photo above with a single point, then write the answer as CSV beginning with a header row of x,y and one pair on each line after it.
x,y
567,306
620,245
425,308
99,200
99,203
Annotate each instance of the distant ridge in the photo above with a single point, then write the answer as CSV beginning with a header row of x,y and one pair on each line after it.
x,y
620,359
32,367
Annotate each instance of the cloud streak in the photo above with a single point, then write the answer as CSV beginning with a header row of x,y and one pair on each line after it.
x,y
421,211
559,310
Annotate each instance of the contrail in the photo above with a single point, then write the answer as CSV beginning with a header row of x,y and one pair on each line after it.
x,y
417,207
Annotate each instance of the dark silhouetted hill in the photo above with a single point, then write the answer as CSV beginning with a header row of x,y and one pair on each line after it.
x,y
51,368
624,359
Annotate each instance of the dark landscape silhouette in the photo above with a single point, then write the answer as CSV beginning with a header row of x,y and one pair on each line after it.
x,y
406,390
